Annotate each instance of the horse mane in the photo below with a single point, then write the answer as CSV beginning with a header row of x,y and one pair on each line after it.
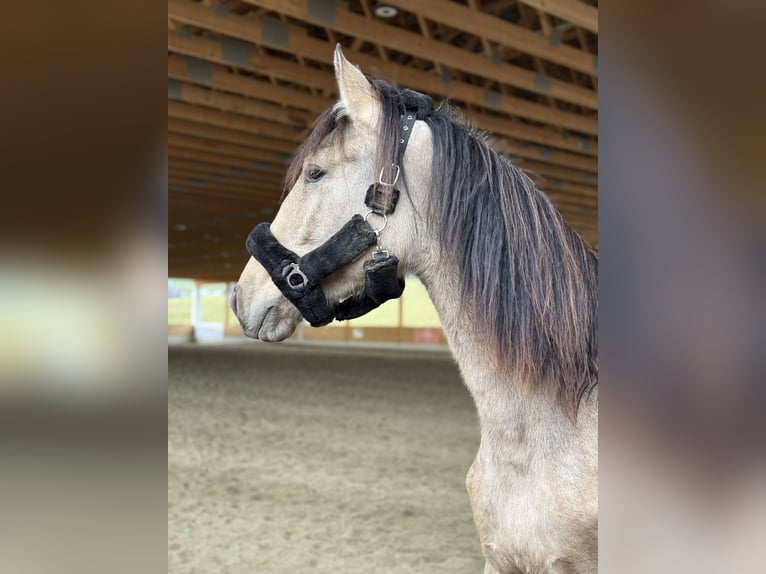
x,y
526,278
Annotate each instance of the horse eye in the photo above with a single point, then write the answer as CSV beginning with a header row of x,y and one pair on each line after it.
x,y
314,174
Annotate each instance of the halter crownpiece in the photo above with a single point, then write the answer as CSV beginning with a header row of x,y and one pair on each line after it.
x,y
298,277
413,106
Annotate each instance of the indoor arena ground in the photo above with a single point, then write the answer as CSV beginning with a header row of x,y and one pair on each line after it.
x,y
297,458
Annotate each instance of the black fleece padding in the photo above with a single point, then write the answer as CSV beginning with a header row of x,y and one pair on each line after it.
x,y
342,248
345,246
421,104
381,279
276,259
376,199
354,307
381,283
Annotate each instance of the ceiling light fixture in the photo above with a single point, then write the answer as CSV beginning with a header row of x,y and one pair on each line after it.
x,y
385,11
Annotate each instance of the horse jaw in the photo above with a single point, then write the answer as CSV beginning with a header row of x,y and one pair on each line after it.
x,y
263,311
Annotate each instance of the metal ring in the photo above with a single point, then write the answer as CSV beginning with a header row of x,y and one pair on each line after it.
x,y
396,178
294,270
385,220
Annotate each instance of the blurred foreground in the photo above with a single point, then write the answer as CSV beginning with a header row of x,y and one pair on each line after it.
x,y
83,287
682,283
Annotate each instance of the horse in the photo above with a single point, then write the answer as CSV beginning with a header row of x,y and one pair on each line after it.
x,y
424,193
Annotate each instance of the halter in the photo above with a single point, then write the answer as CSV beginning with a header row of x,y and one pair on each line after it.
x,y
298,277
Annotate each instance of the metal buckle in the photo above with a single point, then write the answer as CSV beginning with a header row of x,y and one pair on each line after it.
x,y
396,178
294,270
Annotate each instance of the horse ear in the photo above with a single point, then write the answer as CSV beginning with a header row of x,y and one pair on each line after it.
x,y
356,92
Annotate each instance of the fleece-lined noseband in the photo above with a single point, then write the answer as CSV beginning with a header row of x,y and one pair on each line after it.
x,y
298,277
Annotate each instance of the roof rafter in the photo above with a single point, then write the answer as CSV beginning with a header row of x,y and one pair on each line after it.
x,y
250,29
393,37
574,11
489,27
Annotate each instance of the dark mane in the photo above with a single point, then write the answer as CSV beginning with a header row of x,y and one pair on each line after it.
x,y
526,278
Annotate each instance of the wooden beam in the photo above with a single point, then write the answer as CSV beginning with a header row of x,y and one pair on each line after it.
x,y
250,29
220,197
250,171
202,49
574,189
546,170
564,202
212,50
196,182
223,224
246,153
182,180
574,11
423,25
193,170
192,94
560,158
484,25
228,136
395,38
178,68
232,121
519,149
233,189
198,205
225,161
545,137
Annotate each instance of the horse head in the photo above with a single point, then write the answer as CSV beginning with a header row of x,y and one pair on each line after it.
x,y
346,174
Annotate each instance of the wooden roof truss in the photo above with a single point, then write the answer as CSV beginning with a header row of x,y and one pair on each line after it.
x,y
247,78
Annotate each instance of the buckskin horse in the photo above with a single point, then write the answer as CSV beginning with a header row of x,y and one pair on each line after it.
x,y
384,186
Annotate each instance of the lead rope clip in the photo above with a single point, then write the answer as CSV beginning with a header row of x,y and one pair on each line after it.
x,y
379,251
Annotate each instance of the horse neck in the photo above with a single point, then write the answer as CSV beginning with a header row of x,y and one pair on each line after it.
x,y
503,400
511,411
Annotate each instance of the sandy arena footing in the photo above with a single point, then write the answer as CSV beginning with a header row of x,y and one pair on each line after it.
x,y
287,458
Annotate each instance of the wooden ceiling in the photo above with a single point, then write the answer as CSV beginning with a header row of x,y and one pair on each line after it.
x,y
246,79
